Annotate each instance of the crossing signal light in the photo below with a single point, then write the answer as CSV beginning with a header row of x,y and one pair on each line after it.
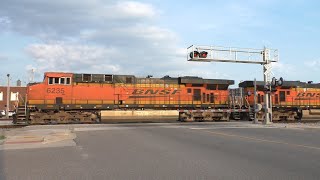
x,y
194,54
280,82
203,54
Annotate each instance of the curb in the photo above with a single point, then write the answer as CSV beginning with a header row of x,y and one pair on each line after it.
x,y
22,142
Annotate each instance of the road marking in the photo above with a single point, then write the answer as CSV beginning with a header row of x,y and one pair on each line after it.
x,y
81,129
261,140
230,127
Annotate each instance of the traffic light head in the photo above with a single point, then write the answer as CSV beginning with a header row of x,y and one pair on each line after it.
x,y
194,54
203,54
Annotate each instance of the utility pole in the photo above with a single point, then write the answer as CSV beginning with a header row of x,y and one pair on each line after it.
x,y
8,96
255,121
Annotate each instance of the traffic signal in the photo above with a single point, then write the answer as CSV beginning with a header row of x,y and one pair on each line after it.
x,y
203,54
280,82
194,54
274,84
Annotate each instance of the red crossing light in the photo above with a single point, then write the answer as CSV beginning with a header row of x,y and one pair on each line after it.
x,y
194,54
203,54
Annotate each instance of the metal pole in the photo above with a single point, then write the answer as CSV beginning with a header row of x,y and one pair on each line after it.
x,y
8,96
270,104
255,121
267,94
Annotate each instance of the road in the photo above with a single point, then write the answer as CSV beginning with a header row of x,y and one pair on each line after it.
x,y
209,151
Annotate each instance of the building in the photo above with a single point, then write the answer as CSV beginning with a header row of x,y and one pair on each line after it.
x,y
17,93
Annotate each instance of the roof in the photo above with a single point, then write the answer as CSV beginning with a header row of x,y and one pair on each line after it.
x,y
199,80
286,84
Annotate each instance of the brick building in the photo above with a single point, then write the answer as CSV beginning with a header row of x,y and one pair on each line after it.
x,y
16,93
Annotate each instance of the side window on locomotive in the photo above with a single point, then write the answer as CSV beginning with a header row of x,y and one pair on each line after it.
x,y
68,80
56,80
50,80
62,80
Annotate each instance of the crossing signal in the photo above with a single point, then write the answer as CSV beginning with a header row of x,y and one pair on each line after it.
x,y
280,82
203,54
194,54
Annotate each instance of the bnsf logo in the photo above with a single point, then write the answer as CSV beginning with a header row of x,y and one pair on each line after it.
x,y
151,91
310,95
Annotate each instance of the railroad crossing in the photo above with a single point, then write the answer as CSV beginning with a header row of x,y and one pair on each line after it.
x,y
263,57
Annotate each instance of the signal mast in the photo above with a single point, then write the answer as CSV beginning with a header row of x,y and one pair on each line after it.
x,y
263,57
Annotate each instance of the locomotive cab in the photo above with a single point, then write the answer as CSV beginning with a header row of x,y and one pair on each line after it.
x,y
54,91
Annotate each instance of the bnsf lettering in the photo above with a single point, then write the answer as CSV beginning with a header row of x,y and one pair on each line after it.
x,y
163,92
154,92
55,90
310,95
138,91
150,91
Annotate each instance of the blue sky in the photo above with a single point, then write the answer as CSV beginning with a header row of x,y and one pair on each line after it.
x,y
151,37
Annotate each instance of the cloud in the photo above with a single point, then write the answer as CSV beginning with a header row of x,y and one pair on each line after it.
x,y
94,36
4,23
284,70
61,56
129,9
61,19
314,64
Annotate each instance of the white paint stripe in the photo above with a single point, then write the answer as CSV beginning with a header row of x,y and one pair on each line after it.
x,y
101,128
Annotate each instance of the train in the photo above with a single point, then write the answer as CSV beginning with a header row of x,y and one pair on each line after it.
x,y
291,101
92,98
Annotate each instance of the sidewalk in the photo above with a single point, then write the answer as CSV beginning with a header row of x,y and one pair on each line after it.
x,y
24,138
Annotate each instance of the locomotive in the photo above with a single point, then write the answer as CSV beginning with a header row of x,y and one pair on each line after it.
x,y
85,98
90,98
291,101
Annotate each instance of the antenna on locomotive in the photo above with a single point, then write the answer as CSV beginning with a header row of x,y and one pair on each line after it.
x,y
31,77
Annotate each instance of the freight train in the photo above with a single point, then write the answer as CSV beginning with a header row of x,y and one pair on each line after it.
x,y
293,100
90,98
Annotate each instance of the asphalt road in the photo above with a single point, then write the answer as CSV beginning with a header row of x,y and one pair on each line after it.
x,y
173,152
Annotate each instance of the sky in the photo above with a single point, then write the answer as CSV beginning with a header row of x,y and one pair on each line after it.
x,y
150,37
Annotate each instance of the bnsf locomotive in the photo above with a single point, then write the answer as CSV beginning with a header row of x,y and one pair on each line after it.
x,y
293,100
85,98
88,98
